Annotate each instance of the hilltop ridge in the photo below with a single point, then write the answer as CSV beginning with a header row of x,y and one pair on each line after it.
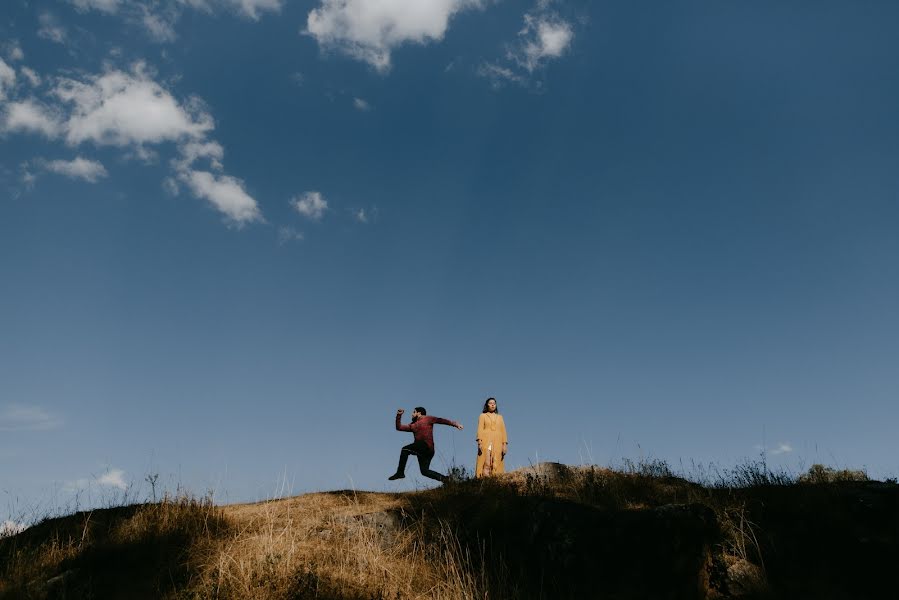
x,y
546,531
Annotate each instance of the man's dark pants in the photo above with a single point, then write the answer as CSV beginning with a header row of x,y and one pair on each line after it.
x,y
424,455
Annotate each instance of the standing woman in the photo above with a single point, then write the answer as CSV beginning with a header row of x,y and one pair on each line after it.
x,y
492,441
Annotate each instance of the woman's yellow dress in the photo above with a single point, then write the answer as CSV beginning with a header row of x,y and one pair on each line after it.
x,y
491,435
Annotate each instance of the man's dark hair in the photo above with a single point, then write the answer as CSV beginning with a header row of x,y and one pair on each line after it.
x,y
487,401
421,410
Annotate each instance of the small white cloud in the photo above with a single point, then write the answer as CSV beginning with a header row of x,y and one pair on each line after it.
x,y
14,51
288,234
544,37
226,194
50,29
9,528
78,168
311,205
369,30
33,78
7,78
113,478
106,6
782,448
21,417
30,116
297,78
360,215
360,104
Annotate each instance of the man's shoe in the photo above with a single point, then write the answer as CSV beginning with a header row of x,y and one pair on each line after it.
x,y
396,476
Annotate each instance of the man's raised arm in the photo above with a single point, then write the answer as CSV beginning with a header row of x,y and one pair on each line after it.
x,y
400,426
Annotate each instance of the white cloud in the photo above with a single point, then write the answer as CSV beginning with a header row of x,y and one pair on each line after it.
x,y
113,478
107,6
33,78
50,30
20,417
121,108
544,36
30,116
782,448
288,234
311,205
360,215
193,151
14,51
361,104
78,168
7,78
226,194
8,528
369,30
131,110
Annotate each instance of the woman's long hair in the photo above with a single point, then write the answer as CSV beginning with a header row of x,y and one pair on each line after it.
x,y
486,402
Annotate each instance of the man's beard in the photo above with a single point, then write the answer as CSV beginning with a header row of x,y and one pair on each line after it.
x,y
415,418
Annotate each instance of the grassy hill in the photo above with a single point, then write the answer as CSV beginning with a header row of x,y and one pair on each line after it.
x,y
548,531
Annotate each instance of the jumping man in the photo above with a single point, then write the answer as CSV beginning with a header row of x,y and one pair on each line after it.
x,y
422,427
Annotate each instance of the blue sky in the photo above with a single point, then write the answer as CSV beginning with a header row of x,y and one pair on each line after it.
x,y
236,235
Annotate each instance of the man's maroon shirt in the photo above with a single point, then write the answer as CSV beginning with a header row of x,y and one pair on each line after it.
x,y
423,428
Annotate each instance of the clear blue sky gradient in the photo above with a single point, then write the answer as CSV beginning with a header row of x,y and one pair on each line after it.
x,y
678,240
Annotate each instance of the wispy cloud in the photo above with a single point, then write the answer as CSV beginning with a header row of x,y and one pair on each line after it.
x,y
781,448
545,36
360,104
31,75
288,234
311,205
77,168
499,75
106,6
7,78
24,417
14,51
50,29
369,31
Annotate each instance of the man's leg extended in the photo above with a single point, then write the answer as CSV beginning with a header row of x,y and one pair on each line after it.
x,y
424,463
404,456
